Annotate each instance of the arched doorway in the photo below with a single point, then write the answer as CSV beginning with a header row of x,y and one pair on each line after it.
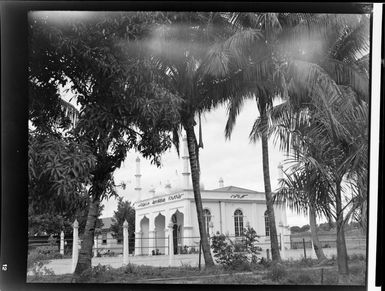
x,y
160,224
177,230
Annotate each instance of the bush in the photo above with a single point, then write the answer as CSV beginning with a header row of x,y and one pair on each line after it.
x,y
277,272
39,270
240,255
97,274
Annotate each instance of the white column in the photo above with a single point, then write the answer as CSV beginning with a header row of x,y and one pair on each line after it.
x,y
223,217
138,243
167,218
170,244
62,243
75,245
151,241
151,233
187,228
125,242
186,172
138,189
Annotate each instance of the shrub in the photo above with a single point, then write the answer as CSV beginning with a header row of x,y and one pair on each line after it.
x,y
39,270
98,274
277,272
239,255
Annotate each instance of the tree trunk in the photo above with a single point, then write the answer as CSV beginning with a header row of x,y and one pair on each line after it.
x,y
191,143
314,235
85,253
269,201
342,256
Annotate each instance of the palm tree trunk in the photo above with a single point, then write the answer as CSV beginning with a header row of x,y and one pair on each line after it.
x,y
269,201
314,235
85,253
191,144
342,256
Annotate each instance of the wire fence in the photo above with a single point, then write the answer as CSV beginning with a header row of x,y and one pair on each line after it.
x,y
113,246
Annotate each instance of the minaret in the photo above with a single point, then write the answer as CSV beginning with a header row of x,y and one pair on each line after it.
x,y
186,172
138,189
152,191
221,185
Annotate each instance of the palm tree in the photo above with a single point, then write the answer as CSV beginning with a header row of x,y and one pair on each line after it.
x,y
274,51
178,54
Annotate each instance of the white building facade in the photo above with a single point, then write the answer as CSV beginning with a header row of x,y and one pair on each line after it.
x,y
227,210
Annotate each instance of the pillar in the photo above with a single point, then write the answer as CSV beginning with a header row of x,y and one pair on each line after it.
x,y
75,242
187,227
222,206
151,241
170,244
151,233
138,189
125,242
138,243
62,243
186,172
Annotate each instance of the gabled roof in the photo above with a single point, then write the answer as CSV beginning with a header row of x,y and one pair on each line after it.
x,y
107,222
235,189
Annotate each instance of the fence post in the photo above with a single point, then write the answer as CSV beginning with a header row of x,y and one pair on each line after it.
x,y
62,243
170,244
304,247
75,245
95,246
125,242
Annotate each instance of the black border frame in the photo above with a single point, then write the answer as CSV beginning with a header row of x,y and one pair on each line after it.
x,y
14,133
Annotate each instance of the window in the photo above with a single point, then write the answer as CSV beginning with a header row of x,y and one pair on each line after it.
x,y
207,218
238,222
267,225
119,241
104,238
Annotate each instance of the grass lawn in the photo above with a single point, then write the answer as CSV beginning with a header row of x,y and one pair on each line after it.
x,y
288,273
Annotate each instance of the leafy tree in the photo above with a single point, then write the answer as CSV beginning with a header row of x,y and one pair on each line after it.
x,y
295,229
124,212
121,108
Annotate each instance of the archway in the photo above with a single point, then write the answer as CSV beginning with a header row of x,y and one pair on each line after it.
x,y
160,225
178,219
144,227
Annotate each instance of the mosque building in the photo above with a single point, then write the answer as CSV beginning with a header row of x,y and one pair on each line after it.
x,y
227,209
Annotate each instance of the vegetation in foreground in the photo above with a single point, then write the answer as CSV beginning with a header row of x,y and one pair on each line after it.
x,y
290,272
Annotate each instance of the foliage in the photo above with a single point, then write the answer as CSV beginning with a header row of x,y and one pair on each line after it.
x,y
236,255
121,106
295,229
124,212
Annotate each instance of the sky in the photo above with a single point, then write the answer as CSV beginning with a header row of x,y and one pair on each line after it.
x,y
237,161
